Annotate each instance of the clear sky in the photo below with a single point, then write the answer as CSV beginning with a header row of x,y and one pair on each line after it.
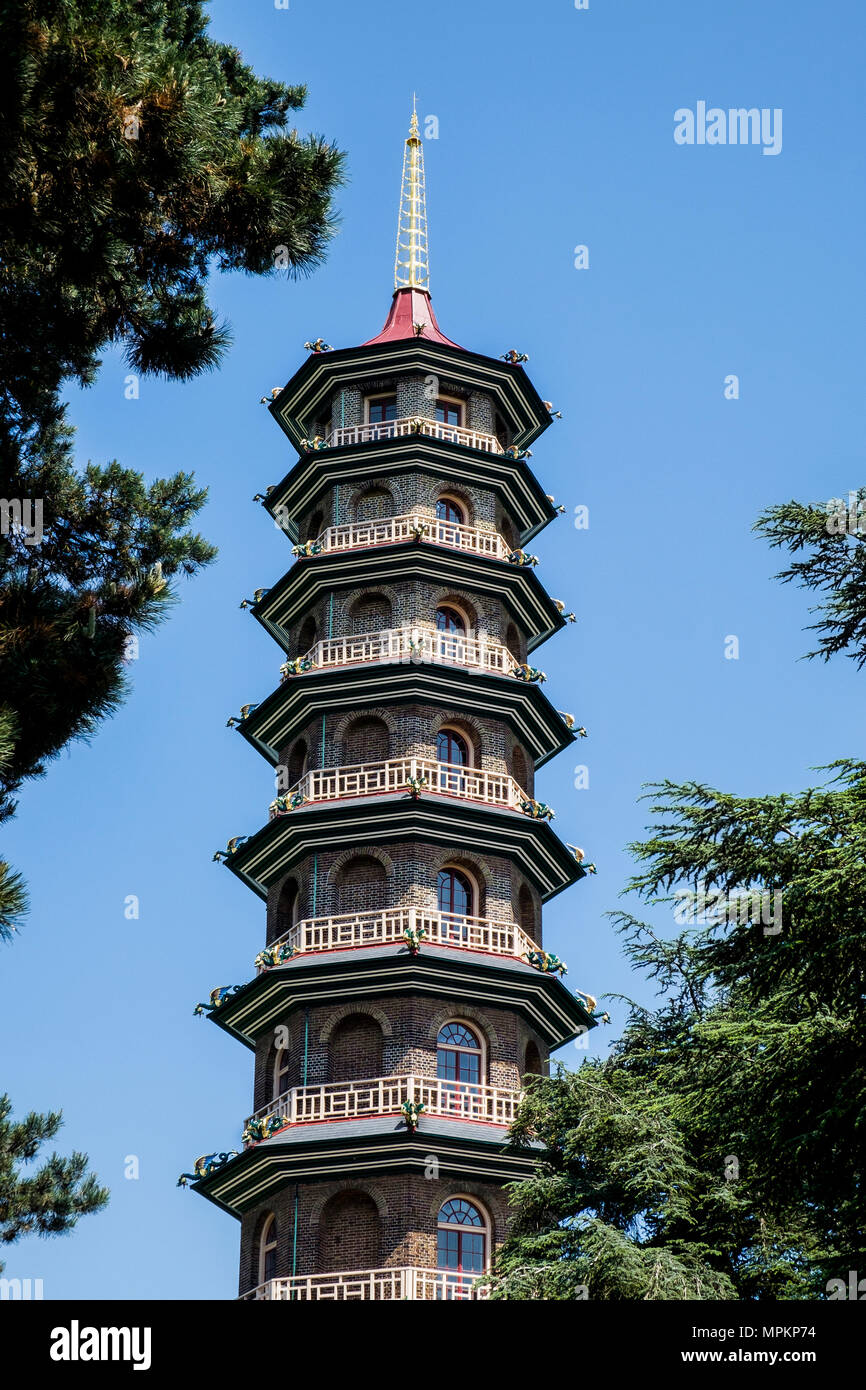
x,y
555,130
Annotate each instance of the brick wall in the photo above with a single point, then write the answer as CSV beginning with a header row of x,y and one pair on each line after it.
x,y
340,1225
366,1225
404,493
402,605
405,731
404,875
391,1037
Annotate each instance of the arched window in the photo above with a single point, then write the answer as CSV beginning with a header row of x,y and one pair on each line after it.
x,y
461,1246
268,1251
455,892
282,1072
532,1065
456,898
450,516
512,642
458,1055
452,747
315,525
449,509
449,620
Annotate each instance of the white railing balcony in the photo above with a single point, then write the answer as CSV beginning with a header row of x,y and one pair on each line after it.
x,y
425,775
350,930
396,429
407,644
385,1095
399,1282
393,530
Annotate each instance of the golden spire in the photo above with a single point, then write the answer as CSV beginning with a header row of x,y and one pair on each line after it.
x,y
411,269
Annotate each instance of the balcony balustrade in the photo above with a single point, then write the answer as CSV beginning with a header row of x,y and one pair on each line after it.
x,y
350,930
394,530
399,1282
406,644
416,775
385,1095
409,425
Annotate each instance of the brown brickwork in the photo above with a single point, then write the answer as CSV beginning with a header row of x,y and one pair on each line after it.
x,y
391,1037
410,877
344,1223
398,1211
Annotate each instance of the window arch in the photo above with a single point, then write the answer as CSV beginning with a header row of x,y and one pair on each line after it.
x,y
315,526
350,1232
512,642
366,741
307,633
456,894
452,746
532,1063
288,905
451,511
371,613
461,1245
450,620
519,770
459,1054
282,1072
362,885
453,752
356,1049
298,761
526,911
374,504
268,1250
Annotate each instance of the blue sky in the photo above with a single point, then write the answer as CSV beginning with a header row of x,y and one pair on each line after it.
x,y
555,130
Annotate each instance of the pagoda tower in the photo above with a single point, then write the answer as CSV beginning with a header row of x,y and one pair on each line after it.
x,y
403,992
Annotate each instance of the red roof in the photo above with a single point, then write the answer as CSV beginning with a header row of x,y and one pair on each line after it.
x,y
411,308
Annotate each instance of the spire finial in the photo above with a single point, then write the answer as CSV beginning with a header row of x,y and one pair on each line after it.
x,y
411,269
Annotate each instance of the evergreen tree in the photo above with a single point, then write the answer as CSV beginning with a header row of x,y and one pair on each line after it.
x,y
718,1151
831,538
50,1200
136,156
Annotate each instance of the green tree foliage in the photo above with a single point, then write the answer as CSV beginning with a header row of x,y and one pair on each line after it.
x,y
832,563
717,1152
49,1200
137,155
